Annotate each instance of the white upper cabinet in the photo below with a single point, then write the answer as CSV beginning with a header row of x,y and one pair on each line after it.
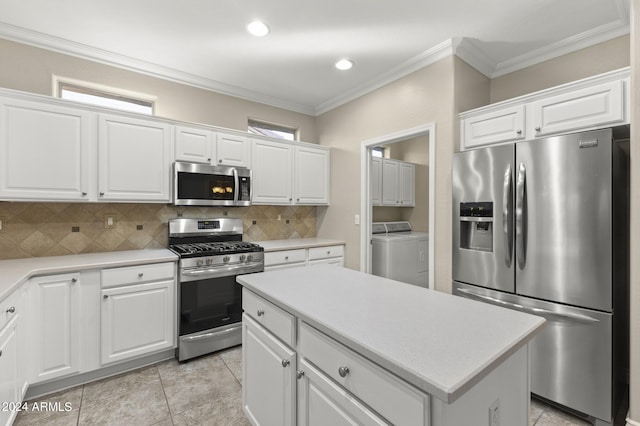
x,y
496,126
200,145
46,151
272,166
233,150
311,174
398,183
285,173
134,159
592,106
591,103
195,144
376,181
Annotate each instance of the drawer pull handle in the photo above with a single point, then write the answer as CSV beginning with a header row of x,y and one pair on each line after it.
x,y
285,363
286,258
11,310
0,352
343,371
519,131
537,128
299,374
74,280
106,296
328,251
260,312
140,274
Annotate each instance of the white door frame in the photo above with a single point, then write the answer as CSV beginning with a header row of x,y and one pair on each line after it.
x,y
366,210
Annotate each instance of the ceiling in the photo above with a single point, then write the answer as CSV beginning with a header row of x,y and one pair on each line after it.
x,y
204,42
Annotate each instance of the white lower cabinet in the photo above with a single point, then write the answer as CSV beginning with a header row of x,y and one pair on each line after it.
x,y
269,379
322,402
138,311
54,330
10,388
281,259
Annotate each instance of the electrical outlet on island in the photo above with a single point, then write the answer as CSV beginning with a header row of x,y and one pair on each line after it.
x,y
494,413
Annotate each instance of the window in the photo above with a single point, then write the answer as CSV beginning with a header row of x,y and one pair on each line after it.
x,y
104,96
272,130
377,152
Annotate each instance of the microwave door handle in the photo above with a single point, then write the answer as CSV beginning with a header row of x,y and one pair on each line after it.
x,y
507,223
236,187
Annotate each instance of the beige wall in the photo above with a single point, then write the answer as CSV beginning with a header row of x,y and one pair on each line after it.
x,y
603,57
426,96
31,69
634,392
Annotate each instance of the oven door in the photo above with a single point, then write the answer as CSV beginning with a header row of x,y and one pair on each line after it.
x,y
209,303
204,185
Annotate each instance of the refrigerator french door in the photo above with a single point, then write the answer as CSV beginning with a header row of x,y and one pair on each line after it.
x,y
541,226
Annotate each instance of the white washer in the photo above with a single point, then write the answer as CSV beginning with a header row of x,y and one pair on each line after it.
x,y
400,253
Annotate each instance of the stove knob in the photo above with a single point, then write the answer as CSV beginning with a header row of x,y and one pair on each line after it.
x,y
226,259
199,262
209,261
249,258
242,258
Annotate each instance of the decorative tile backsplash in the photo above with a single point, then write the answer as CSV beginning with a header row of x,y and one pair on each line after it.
x,y
52,229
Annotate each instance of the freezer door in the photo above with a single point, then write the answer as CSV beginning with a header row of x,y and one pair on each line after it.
x,y
483,244
571,358
563,219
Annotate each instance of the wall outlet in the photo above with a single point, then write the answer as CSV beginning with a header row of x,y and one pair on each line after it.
x,y
494,413
109,221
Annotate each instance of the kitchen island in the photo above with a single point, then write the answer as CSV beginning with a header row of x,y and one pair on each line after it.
x,y
329,344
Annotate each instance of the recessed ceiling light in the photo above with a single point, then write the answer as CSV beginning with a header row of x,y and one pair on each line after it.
x,y
258,29
344,64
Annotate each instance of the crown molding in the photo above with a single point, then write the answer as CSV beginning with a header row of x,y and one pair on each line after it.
x,y
568,45
79,50
428,57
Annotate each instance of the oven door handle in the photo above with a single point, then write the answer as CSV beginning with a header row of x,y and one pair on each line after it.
x,y
222,271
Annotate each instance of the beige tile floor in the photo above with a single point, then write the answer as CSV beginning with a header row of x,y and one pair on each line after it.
x,y
203,391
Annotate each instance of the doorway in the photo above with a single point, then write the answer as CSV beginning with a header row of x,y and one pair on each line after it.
x,y
366,206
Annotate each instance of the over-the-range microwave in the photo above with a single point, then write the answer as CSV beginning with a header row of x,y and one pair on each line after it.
x,y
204,185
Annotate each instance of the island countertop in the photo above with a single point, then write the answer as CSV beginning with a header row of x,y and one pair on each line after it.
x,y
441,344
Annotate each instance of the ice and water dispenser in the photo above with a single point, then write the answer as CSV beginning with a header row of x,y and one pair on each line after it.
x,y
476,226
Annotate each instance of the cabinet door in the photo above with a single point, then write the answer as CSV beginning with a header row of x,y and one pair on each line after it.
x,y
595,106
272,172
45,151
376,181
504,125
10,392
322,402
407,181
268,371
135,159
195,145
312,169
137,320
55,329
233,150
390,183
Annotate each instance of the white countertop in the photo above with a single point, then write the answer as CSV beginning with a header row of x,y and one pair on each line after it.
x,y
15,272
297,243
440,343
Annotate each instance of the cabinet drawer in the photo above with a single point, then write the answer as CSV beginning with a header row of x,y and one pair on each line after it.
x,y
326,252
10,307
391,397
284,257
137,274
274,319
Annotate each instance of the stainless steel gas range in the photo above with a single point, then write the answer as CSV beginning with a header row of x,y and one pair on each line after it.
x,y
212,254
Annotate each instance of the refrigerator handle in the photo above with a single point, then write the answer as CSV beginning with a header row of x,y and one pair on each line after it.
x,y
520,216
550,315
507,224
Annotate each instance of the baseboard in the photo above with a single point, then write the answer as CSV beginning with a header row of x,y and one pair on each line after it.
x,y
632,422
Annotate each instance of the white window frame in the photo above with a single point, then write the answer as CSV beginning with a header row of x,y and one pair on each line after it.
x,y
252,122
100,89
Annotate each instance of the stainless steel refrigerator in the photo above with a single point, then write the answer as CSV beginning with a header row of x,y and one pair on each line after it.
x,y
541,226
